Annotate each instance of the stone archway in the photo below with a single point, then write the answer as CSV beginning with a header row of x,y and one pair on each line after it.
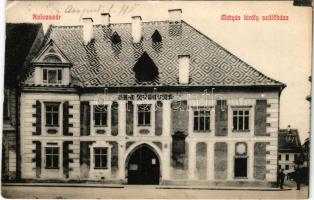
x,y
143,165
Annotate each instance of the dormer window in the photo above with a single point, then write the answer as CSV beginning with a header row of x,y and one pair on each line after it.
x,y
156,37
115,38
52,67
52,76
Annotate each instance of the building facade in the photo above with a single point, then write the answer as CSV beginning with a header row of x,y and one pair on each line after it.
x,y
22,42
146,103
289,149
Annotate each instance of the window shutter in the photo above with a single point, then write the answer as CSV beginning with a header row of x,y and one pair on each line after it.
x,y
85,118
37,159
180,116
114,118
221,120
85,153
129,118
158,118
66,159
221,160
66,118
38,118
260,160
260,117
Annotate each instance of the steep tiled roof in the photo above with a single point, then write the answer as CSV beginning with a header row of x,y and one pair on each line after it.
x,y
102,63
289,142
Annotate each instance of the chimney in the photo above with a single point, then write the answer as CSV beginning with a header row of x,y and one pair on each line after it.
x,y
88,33
105,19
184,68
175,15
136,29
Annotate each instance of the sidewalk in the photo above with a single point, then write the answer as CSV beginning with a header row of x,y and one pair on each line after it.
x,y
99,185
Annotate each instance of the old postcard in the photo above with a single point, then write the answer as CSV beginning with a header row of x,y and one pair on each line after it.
x,y
157,99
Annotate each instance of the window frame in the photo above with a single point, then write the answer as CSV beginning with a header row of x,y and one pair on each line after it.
x,y
101,157
145,113
245,119
52,155
205,114
59,77
52,113
103,116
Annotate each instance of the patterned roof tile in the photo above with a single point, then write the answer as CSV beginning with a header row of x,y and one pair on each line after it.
x,y
102,63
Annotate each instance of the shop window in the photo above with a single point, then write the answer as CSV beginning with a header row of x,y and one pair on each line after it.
x,y
52,157
241,120
201,120
101,158
144,115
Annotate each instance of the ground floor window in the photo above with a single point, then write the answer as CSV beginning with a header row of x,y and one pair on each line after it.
x,y
52,157
101,158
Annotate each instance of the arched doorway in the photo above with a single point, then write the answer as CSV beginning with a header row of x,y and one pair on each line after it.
x,y
143,166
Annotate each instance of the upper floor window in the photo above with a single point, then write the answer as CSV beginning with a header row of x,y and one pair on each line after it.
x,y
279,157
101,158
241,120
52,76
52,157
201,120
100,115
287,157
52,114
144,113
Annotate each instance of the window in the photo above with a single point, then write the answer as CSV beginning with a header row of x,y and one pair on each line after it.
x,y
52,114
202,120
144,115
240,160
287,157
279,166
279,157
287,167
100,115
100,158
52,157
241,120
52,76
295,156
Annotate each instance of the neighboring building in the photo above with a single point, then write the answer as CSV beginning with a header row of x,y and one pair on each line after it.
x,y
22,42
125,103
306,144
289,148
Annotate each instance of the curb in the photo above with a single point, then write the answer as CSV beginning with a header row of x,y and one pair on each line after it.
x,y
65,185
242,189
156,187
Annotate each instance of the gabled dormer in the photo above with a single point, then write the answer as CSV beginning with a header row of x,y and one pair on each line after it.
x,y
52,67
